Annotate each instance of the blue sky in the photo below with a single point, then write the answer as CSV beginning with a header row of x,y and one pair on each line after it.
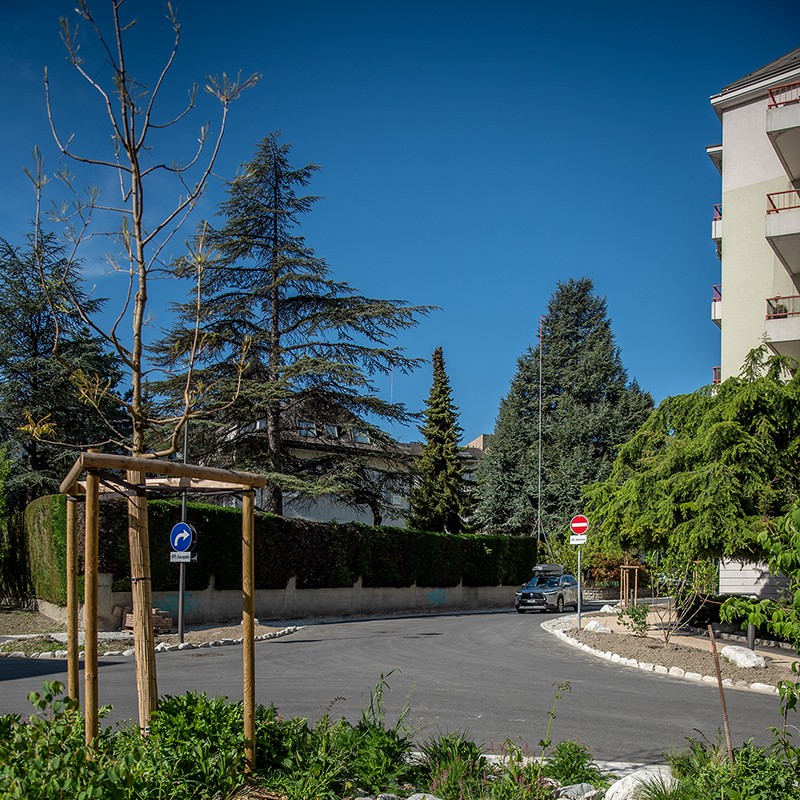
x,y
473,155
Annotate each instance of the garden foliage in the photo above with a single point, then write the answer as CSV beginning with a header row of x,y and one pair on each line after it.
x,y
318,555
195,749
706,472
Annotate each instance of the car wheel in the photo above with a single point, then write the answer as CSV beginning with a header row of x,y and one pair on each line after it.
x,y
560,604
520,611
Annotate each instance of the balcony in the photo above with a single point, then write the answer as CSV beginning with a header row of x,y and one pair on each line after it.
x,y
783,227
716,375
783,325
716,305
783,126
716,223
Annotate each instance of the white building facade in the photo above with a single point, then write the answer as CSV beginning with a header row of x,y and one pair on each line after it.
x,y
757,223
757,230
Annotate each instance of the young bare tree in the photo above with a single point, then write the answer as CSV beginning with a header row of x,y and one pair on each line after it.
x,y
136,234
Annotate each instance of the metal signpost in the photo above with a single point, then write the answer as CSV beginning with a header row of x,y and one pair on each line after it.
x,y
579,525
182,539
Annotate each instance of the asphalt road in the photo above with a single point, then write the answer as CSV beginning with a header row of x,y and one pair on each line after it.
x,y
492,675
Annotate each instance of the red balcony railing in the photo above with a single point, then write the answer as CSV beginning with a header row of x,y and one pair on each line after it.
x,y
781,201
784,95
782,307
717,211
716,375
716,292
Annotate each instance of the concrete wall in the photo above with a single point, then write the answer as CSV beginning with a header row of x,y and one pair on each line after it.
x,y
211,605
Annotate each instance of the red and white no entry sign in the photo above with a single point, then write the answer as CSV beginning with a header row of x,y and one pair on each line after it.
x,y
579,524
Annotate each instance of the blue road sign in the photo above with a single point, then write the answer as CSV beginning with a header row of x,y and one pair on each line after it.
x,y
182,537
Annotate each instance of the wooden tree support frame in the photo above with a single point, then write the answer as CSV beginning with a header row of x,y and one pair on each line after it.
x,y
625,571
135,485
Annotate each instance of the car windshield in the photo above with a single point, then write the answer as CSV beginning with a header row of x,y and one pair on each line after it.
x,y
553,580
536,580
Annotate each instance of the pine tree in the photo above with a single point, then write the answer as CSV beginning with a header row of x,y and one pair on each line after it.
x,y
438,501
313,342
588,410
43,420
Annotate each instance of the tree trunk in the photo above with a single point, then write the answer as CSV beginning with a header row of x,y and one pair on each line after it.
x,y
142,592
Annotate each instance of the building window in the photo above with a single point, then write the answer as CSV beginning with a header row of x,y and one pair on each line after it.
x,y
306,428
332,431
361,437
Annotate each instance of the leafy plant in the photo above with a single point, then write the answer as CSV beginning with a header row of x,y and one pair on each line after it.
x,y
454,766
521,777
635,618
45,756
703,772
571,762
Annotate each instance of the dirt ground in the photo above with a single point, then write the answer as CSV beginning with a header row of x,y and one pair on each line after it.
x,y
14,622
691,653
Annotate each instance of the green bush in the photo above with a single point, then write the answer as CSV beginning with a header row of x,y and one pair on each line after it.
x,y
195,749
45,532
319,555
704,773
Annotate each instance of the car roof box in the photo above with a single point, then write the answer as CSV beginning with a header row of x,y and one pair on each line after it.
x,y
548,569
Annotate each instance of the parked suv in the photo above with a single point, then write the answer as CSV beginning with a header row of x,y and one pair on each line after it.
x,y
545,592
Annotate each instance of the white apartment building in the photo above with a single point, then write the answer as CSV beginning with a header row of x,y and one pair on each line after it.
x,y
757,230
757,223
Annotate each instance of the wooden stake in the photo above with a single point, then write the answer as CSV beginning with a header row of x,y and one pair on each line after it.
x,y
248,631
142,592
725,723
90,607
73,667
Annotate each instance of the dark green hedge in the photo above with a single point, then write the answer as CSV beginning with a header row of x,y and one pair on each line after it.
x,y
319,555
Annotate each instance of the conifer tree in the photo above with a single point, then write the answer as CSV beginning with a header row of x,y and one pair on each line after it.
x,y
438,501
588,410
708,472
313,342
45,416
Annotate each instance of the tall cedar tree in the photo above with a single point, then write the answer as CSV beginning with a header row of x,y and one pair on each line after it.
x,y
708,472
588,410
314,343
37,389
438,501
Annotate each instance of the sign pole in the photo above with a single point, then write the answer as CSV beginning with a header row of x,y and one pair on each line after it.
x,y
182,566
578,526
580,580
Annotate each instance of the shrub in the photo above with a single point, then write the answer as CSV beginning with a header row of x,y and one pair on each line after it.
x,y
319,555
635,618
571,762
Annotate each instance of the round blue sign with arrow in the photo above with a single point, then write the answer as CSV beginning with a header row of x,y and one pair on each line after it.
x,y
182,537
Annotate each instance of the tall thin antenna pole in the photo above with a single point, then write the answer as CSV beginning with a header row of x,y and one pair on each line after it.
x,y
540,534
539,488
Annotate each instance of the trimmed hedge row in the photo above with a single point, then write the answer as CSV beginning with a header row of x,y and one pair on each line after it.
x,y
319,555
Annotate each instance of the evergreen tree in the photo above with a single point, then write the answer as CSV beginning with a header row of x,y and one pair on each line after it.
x,y
45,415
707,472
313,342
588,409
438,501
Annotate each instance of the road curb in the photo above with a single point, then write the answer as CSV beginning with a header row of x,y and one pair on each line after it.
x,y
160,648
560,627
